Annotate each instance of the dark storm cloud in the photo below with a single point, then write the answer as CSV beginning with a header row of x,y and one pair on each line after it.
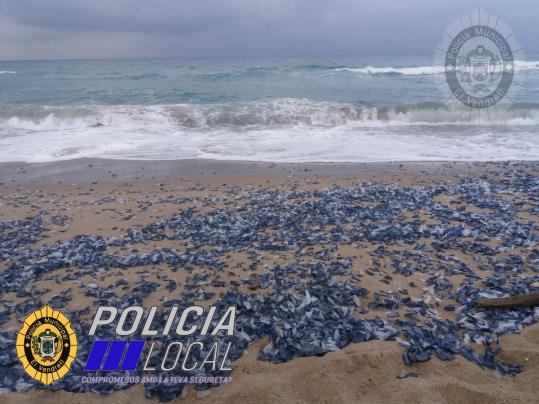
x,y
130,28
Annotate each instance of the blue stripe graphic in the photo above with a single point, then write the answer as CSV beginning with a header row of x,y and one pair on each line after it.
x,y
97,354
132,355
114,356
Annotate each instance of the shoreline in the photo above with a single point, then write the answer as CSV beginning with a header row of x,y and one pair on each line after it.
x,y
83,171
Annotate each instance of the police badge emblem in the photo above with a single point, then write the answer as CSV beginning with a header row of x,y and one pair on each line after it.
x,y
480,57
46,345
480,68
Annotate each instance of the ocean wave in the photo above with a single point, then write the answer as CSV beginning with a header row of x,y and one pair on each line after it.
x,y
47,118
405,71
527,64
286,130
282,113
7,72
248,116
36,118
316,66
419,70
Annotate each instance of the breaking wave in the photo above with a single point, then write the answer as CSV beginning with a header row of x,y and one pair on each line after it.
x,y
290,130
279,113
405,71
35,118
7,72
419,70
527,65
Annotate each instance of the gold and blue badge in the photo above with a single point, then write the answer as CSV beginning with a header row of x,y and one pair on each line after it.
x,y
46,345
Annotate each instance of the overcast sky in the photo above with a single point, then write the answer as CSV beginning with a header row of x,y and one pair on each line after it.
x,y
57,29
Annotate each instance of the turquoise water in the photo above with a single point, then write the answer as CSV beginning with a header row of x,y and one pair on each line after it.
x,y
173,81
289,109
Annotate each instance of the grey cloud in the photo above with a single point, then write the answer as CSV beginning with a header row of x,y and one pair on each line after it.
x,y
157,16
147,28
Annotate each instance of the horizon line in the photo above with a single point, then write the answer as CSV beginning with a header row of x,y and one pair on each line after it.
x,y
67,59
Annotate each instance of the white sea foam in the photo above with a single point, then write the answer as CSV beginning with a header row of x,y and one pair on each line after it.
x,y
527,64
278,113
7,72
421,70
407,71
291,130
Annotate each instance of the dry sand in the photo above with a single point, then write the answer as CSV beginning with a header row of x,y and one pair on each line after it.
x,y
364,372
360,373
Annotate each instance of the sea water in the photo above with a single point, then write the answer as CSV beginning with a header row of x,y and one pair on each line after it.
x,y
340,109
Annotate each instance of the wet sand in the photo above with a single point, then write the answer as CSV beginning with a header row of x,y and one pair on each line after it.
x,y
108,198
86,171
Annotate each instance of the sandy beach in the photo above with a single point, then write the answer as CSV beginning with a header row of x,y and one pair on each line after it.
x,y
290,202
422,200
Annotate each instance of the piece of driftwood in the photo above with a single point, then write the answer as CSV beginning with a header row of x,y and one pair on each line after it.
x,y
528,299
